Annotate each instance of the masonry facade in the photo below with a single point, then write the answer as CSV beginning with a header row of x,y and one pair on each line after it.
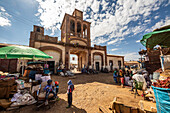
x,y
75,39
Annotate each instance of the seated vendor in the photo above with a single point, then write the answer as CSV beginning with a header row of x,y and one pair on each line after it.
x,y
49,88
32,74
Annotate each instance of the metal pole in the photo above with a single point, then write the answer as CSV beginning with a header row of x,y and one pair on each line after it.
x,y
141,62
23,67
162,60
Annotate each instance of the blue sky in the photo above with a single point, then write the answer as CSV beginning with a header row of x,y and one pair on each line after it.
x,y
119,24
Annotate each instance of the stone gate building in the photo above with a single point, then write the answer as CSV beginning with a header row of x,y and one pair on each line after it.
x,y
75,39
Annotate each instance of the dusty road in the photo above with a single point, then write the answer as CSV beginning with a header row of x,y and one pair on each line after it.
x,y
91,91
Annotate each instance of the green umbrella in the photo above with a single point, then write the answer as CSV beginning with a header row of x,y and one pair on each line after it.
x,y
161,37
21,52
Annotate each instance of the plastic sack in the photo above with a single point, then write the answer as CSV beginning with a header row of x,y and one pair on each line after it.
x,y
162,96
156,76
45,78
38,76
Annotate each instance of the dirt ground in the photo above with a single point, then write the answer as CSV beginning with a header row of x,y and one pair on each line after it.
x,y
91,91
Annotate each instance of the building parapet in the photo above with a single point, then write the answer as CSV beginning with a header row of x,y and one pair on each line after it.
x,y
46,38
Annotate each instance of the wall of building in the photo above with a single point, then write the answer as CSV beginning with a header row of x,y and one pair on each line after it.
x,y
43,44
93,59
56,54
84,61
115,61
78,42
98,58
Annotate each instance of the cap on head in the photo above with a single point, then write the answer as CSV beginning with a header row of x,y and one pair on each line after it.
x,y
56,82
69,82
49,81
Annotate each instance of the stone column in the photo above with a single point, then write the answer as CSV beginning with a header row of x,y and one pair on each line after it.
x,y
67,29
105,55
89,57
88,35
76,27
67,54
81,29
67,57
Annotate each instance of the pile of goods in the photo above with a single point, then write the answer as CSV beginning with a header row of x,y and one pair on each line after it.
x,y
162,83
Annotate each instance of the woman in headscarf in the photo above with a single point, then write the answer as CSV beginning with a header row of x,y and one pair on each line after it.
x,y
115,75
69,93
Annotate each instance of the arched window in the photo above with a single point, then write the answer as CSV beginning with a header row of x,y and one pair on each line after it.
x,y
38,29
72,28
84,31
78,29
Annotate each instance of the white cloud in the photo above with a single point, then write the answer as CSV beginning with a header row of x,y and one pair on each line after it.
x,y
159,24
137,41
131,56
147,21
156,17
115,49
113,22
116,40
4,21
2,9
99,40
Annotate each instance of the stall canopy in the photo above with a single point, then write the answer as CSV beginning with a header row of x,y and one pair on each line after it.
x,y
20,52
38,62
157,37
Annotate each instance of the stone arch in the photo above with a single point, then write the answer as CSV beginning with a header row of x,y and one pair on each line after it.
x,y
52,48
98,53
72,27
78,39
79,29
84,31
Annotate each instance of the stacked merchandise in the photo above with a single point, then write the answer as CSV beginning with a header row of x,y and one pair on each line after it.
x,y
161,90
162,83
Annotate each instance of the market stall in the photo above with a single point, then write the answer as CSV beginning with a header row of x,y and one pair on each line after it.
x,y
16,89
161,77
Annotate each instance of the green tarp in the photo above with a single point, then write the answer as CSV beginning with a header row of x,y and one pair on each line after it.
x,y
12,52
154,38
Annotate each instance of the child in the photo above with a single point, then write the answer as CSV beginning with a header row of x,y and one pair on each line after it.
x,y
49,89
69,92
56,88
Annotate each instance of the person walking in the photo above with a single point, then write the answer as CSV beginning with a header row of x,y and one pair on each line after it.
x,y
121,78
115,75
69,93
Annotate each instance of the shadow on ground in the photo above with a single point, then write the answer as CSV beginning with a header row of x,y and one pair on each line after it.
x,y
57,107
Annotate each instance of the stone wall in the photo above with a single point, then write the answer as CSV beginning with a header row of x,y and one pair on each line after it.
x,y
115,61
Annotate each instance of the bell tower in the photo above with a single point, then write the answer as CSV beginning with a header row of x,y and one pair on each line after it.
x,y
37,30
75,30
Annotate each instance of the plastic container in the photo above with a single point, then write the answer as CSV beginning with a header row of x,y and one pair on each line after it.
x,y
162,96
156,76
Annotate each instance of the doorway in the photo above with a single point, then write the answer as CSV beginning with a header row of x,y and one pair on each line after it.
x,y
73,63
97,66
119,64
51,66
111,65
